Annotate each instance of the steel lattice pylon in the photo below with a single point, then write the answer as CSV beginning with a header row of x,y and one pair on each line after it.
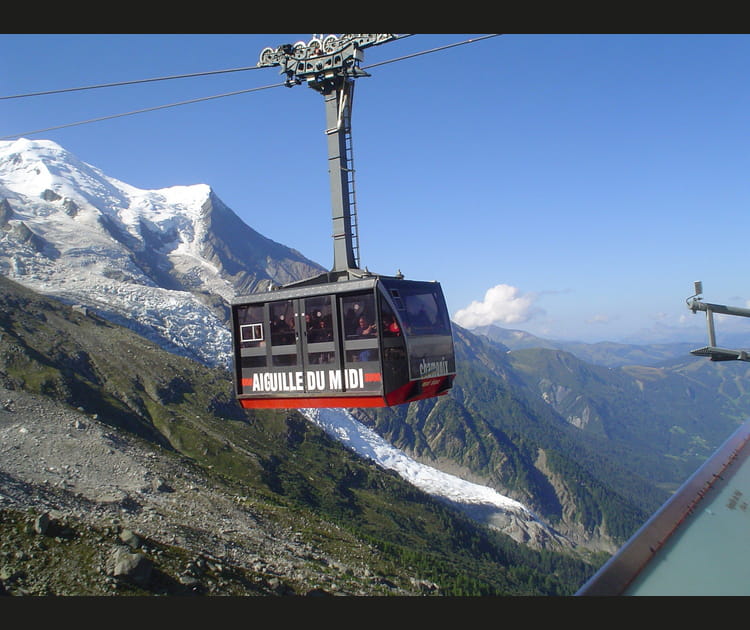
x,y
330,65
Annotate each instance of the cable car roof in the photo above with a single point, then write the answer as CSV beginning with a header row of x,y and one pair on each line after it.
x,y
302,289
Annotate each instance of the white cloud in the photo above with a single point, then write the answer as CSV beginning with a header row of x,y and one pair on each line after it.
x,y
502,303
599,319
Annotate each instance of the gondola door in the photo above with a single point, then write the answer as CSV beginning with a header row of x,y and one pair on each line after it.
x,y
336,356
303,344
321,359
305,347
360,326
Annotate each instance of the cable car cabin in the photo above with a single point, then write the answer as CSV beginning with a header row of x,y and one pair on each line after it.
x,y
372,342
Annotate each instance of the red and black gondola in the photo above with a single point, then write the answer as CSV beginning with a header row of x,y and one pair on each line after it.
x,y
348,337
370,342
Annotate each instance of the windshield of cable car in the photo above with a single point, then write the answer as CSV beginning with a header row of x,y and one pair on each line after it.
x,y
424,311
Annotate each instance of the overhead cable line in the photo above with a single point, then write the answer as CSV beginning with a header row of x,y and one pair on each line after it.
x,y
133,82
432,50
140,111
136,81
205,98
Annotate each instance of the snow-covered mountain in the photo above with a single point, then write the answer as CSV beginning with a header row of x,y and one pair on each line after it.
x,y
165,263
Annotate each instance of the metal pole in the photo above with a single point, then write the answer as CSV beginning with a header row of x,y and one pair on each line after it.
x,y
697,305
710,323
329,65
335,99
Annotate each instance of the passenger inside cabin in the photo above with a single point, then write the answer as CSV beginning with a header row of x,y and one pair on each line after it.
x,y
390,326
365,328
320,333
351,318
286,330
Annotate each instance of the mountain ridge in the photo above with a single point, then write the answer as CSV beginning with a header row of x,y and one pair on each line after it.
x,y
607,353
157,258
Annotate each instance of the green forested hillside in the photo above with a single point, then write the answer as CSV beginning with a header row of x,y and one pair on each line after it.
x,y
496,428
671,418
594,449
281,464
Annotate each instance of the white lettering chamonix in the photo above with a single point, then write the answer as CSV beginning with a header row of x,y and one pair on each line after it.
x,y
433,368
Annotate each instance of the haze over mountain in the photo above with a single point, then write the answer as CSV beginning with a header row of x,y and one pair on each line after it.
x,y
607,353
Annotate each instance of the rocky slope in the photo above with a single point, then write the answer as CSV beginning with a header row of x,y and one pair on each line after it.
x,y
76,493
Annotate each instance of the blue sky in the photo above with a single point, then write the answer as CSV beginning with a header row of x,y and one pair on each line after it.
x,y
573,186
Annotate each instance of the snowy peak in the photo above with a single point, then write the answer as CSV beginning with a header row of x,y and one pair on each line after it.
x,y
165,262
43,169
